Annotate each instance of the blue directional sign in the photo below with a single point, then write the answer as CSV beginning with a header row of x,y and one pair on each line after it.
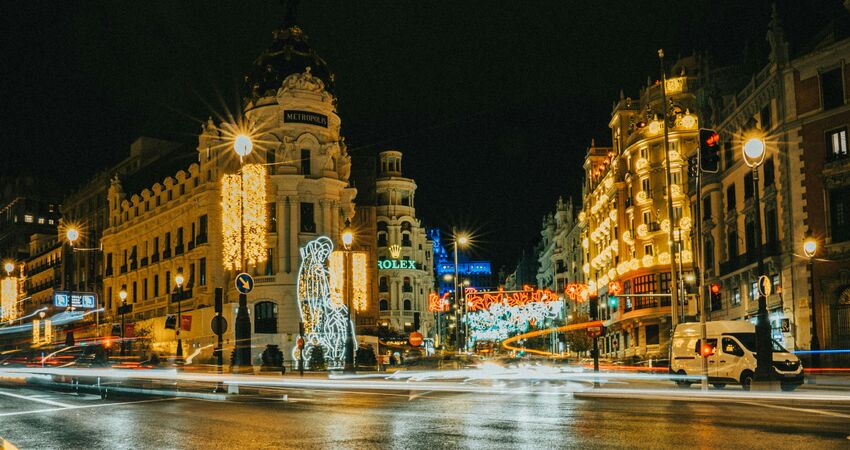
x,y
244,283
80,300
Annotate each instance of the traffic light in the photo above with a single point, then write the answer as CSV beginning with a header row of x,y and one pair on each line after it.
x,y
714,289
613,302
707,349
709,151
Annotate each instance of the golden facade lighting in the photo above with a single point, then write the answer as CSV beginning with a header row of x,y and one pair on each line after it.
x,y
244,198
9,298
360,281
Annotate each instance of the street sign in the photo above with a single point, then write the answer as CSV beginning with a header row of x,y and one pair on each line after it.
x,y
79,300
125,309
765,286
244,283
415,339
595,331
219,325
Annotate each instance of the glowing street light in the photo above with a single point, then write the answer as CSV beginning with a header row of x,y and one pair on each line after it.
x,y
347,235
810,247
9,266
178,280
348,239
123,309
72,234
461,239
754,151
243,145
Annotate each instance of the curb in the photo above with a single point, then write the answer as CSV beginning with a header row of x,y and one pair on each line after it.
x,y
697,397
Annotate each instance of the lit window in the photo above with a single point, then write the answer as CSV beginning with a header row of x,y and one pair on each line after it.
x,y
41,220
50,221
28,218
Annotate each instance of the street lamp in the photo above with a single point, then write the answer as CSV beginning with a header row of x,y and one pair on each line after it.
x,y
71,234
178,280
753,151
242,145
459,239
348,239
123,296
810,248
9,266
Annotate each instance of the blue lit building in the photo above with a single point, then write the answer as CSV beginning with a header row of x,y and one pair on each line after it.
x,y
479,273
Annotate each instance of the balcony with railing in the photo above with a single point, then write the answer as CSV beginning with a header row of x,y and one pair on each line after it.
x,y
751,257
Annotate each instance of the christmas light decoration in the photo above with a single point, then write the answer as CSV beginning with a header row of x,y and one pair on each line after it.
x,y
360,281
325,319
512,314
478,301
9,298
244,210
438,303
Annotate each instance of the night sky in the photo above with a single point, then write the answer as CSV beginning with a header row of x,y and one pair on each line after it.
x,y
492,103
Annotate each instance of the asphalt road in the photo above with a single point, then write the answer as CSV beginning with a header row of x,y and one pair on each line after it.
x,y
364,420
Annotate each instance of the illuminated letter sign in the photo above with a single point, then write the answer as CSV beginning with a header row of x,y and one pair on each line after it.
x,y
307,117
387,264
80,300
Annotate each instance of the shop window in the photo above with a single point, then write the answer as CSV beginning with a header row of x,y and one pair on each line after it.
x,y
265,317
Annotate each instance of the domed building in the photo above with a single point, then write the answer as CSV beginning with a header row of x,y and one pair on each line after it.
x,y
290,115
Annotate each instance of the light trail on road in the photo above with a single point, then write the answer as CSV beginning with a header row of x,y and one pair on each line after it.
x,y
506,344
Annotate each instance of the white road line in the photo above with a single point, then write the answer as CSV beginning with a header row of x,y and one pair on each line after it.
x,y
36,411
36,399
791,408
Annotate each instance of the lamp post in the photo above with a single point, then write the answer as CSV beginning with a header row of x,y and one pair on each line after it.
x,y
123,296
810,248
242,145
178,280
754,150
462,240
347,240
71,234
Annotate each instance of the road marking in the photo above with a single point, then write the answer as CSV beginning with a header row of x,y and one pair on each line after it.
x,y
35,399
791,408
36,411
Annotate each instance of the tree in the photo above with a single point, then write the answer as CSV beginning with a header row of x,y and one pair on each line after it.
x,y
317,358
578,340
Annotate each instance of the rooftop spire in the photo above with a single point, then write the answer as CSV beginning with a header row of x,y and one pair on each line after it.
x,y
289,7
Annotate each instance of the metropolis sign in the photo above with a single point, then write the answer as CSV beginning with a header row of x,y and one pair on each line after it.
x,y
81,300
387,264
310,118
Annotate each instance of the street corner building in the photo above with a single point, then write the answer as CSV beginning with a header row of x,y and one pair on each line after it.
x,y
405,258
293,189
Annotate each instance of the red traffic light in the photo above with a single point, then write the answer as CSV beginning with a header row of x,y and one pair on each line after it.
x,y
713,139
707,350
715,288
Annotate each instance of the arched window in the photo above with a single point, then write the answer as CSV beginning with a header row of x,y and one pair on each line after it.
x,y
265,317
384,305
407,286
408,305
382,234
382,285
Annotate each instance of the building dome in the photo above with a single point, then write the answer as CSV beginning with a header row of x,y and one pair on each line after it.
x,y
288,54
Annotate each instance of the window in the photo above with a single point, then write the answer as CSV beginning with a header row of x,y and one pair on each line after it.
x,y
647,217
168,241
771,235
836,143
271,208
382,285
408,305
730,198
168,282
706,208
839,214
305,162
182,189
664,285
643,153
135,291
748,186
308,225
406,287
202,272
730,347
155,245
676,177
736,297
269,269
750,232
265,317
769,172
708,253
766,117
652,335
832,88
383,305
156,285
754,290
271,157
728,155
677,214
643,284
28,218
179,236
647,250
144,289
41,220
644,185
732,244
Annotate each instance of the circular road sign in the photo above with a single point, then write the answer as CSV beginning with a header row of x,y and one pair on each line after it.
x,y
244,283
765,286
218,325
415,339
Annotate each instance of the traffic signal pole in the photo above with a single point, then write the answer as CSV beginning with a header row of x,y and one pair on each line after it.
x,y
701,281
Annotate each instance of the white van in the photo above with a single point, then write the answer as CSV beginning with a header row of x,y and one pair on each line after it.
x,y
734,358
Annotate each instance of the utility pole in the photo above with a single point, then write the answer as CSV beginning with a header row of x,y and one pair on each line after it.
x,y
671,217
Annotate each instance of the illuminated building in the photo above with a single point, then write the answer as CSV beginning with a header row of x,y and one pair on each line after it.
x,y
626,239
798,104
405,258
477,273
28,206
175,224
